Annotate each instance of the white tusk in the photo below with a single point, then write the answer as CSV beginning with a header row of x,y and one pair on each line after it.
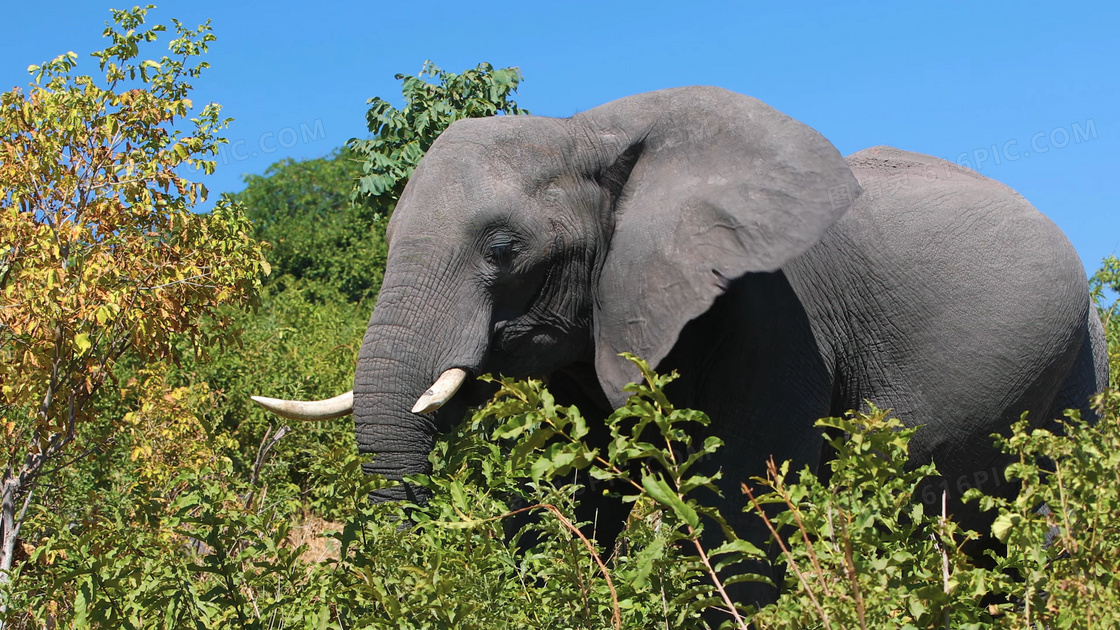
x,y
309,410
441,391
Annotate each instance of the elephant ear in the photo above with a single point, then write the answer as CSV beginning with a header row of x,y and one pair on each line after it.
x,y
708,185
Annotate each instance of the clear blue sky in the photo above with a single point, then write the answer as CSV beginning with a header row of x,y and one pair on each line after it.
x,y
949,79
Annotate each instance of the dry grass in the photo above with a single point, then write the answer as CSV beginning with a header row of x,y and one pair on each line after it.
x,y
311,530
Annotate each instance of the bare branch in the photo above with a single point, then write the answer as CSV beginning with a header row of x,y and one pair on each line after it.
x,y
263,449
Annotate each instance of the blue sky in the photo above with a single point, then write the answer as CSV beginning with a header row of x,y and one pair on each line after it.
x,y
1036,85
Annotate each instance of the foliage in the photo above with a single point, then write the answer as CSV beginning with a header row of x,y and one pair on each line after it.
x,y
215,552
861,553
1061,533
199,552
1106,283
1107,277
662,582
322,245
401,137
652,450
100,254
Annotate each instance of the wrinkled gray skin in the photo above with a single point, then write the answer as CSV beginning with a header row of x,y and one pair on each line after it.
x,y
708,233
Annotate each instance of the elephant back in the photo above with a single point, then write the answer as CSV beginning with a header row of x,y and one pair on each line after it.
x,y
974,280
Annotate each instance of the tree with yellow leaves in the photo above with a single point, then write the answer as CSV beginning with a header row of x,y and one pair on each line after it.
x,y
100,252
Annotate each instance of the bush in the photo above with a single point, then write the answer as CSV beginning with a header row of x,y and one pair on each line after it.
x,y
209,549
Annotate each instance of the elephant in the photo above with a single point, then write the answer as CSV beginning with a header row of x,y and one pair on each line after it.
x,y
710,234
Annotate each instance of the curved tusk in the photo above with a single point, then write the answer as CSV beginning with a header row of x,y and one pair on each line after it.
x,y
441,391
309,410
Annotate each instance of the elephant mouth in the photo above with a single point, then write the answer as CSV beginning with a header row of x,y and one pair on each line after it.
x,y
473,395
524,348
476,393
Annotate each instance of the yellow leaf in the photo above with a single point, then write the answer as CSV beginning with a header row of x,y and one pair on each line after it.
x,y
82,341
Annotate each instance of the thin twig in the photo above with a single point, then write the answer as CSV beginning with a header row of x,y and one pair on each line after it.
x,y
1069,540
616,613
788,556
772,468
72,460
850,569
715,579
944,553
263,449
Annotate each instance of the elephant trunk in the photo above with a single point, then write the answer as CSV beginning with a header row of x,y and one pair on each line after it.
x,y
417,350
399,439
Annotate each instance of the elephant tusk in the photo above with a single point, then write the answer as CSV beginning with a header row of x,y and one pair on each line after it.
x,y
309,410
441,391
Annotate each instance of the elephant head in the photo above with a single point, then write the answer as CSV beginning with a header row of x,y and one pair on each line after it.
x,y
527,245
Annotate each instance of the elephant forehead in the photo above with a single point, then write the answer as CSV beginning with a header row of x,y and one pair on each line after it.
x,y
506,147
451,188
480,166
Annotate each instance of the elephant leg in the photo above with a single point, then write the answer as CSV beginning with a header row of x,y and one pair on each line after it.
x,y
1089,375
599,510
753,364
599,507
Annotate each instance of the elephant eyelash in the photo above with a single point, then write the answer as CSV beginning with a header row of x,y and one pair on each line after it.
x,y
501,253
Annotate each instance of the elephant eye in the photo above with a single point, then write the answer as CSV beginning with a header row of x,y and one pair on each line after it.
x,y
500,253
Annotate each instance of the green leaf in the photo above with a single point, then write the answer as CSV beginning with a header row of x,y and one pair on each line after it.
x,y
661,492
739,546
1003,525
458,493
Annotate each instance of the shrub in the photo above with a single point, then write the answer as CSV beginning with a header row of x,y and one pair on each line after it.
x,y
209,549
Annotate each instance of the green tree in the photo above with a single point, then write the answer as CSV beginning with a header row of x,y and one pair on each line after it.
x,y
1105,285
100,253
401,137
1108,276
321,242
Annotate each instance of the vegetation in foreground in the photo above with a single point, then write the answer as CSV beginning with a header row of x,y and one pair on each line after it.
x,y
167,502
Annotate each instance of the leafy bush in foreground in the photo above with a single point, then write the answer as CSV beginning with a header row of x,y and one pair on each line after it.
x,y
861,553
1068,552
212,551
